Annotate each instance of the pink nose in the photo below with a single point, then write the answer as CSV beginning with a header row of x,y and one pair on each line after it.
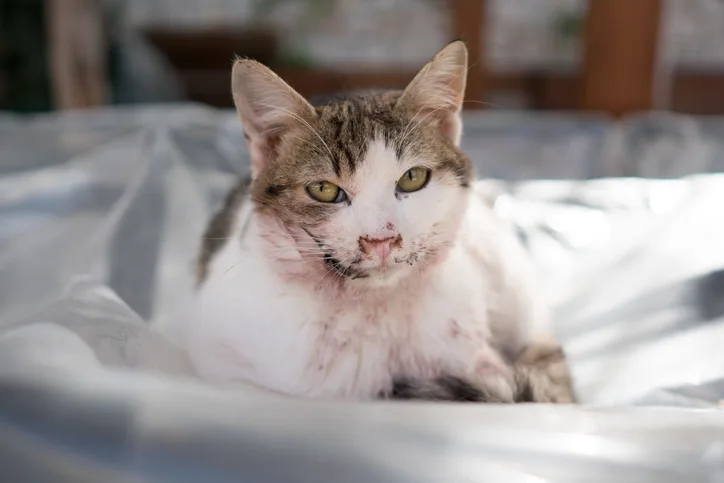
x,y
381,246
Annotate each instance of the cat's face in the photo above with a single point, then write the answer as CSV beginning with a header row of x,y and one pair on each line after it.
x,y
369,189
376,206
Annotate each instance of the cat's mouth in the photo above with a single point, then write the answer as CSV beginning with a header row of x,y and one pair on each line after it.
x,y
358,268
334,264
346,271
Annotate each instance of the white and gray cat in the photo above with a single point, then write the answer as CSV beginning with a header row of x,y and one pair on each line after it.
x,y
358,263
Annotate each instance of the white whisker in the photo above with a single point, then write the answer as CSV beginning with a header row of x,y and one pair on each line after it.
x,y
421,121
405,132
298,118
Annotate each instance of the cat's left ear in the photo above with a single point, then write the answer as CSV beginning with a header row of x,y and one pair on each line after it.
x,y
436,93
268,108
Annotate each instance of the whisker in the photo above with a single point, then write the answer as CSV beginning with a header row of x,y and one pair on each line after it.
x,y
228,270
294,256
305,141
296,245
327,271
293,260
489,104
421,121
298,118
289,255
291,247
405,132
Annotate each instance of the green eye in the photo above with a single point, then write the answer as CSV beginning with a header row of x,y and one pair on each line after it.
x,y
413,180
326,192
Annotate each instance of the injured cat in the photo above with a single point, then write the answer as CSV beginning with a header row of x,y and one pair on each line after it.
x,y
358,263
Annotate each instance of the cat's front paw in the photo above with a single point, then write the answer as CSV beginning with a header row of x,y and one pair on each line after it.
x,y
543,374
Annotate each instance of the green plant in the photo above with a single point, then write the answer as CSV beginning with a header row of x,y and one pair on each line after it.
x,y
568,24
24,85
315,8
294,56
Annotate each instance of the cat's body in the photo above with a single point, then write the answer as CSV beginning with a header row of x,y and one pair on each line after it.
x,y
311,338
359,256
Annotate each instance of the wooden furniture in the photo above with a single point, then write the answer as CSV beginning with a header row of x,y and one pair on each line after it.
x,y
620,56
468,23
617,78
618,75
202,58
77,53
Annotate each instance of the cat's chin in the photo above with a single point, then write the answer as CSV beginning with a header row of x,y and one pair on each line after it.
x,y
377,279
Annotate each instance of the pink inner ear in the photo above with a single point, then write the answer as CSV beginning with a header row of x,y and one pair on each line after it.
x,y
261,150
450,127
440,106
266,106
438,90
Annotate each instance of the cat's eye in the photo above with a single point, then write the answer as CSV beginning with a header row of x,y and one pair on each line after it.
x,y
413,180
326,192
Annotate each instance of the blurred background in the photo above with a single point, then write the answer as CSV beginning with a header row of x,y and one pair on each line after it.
x,y
613,56
113,155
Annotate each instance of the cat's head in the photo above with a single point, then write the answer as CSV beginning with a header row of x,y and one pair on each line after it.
x,y
370,187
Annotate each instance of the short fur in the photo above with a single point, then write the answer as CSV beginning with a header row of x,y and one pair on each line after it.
x,y
219,228
541,375
291,294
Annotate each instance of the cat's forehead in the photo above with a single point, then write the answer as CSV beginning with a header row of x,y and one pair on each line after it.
x,y
349,126
378,170
336,144
360,138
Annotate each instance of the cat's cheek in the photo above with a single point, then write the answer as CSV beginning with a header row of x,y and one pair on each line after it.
x,y
434,212
341,233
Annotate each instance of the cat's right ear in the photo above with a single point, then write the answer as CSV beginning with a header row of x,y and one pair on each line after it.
x,y
436,93
267,106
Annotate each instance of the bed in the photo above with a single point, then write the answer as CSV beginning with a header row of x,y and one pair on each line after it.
x,y
101,214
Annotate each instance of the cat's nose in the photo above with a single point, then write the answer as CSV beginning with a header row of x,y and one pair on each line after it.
x,y
382,246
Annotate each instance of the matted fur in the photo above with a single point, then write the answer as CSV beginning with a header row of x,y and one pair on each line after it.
x,y
291,297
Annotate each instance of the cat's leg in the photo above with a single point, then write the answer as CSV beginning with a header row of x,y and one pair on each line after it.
x,y
444,388
543,375
490,379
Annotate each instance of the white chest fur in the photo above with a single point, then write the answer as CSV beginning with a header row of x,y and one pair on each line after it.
x,y
248,325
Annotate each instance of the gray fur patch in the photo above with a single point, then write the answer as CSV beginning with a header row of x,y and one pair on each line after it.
x,y
219,229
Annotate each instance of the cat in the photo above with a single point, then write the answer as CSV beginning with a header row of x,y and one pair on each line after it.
x,y
358,263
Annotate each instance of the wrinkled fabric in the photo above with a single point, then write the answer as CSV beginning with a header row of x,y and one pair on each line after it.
x,y
101,215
